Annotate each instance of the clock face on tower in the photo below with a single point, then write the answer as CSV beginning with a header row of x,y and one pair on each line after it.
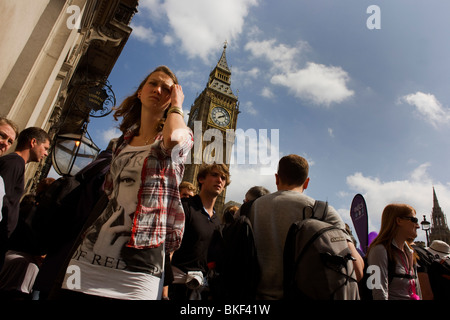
x,y
220,116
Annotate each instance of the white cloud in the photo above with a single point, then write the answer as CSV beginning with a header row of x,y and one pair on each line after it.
x,y
255,157
318,83
185,74
416,190
243,177
308,158
429,107
200,25
267,93
253,73
109,134
281,56
143,34
153,7
249,108
168,40
243,77
323,85
190,79
420,173
330,132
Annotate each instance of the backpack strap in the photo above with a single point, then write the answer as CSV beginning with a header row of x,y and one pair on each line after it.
x,y
392,274
320,210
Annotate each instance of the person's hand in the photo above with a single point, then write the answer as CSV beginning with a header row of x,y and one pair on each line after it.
x,y
110,239
177,96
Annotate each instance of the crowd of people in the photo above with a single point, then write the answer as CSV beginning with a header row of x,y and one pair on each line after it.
x,y
150,236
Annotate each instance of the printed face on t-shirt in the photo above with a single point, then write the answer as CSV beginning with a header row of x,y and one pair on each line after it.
x,y
128,181
107,236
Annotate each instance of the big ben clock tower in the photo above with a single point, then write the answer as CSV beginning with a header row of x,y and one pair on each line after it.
x,y
214,114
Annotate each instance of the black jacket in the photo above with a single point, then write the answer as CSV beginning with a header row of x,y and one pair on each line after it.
x,y
198,233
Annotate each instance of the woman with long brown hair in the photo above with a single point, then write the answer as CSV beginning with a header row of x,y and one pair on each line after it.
x,y
392,257
122,253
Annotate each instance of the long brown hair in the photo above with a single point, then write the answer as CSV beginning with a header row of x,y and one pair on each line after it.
x,y
130,108
389,227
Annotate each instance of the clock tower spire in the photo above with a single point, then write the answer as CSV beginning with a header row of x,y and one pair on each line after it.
x,y
214,113
220,77
439,227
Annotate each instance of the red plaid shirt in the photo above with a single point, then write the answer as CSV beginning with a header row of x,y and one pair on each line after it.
x,y
159,214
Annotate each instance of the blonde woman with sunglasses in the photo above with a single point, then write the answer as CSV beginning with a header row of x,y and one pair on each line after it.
x,y
391,257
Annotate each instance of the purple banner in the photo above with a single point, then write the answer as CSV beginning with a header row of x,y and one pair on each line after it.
x,y
358,213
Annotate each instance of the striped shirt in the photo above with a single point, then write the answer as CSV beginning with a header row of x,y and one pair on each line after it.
x,y
159,215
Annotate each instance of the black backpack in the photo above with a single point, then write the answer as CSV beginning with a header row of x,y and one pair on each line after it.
x,y
237,268
438,271
439,275
63,208
317,263
68,206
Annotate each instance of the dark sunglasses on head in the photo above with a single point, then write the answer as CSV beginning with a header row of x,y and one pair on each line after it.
x,y
412,219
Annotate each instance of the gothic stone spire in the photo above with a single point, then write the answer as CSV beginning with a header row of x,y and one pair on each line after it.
x,y
220,77
439,227
223,59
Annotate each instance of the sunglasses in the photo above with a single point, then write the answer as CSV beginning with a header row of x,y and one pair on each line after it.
x,y
412,219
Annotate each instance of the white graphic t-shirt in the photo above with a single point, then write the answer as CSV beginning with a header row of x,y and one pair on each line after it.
x,y
101,265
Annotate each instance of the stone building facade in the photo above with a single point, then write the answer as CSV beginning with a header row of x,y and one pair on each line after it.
x,y
51,50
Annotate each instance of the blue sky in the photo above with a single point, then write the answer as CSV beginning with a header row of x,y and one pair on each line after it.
x,y
369,108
